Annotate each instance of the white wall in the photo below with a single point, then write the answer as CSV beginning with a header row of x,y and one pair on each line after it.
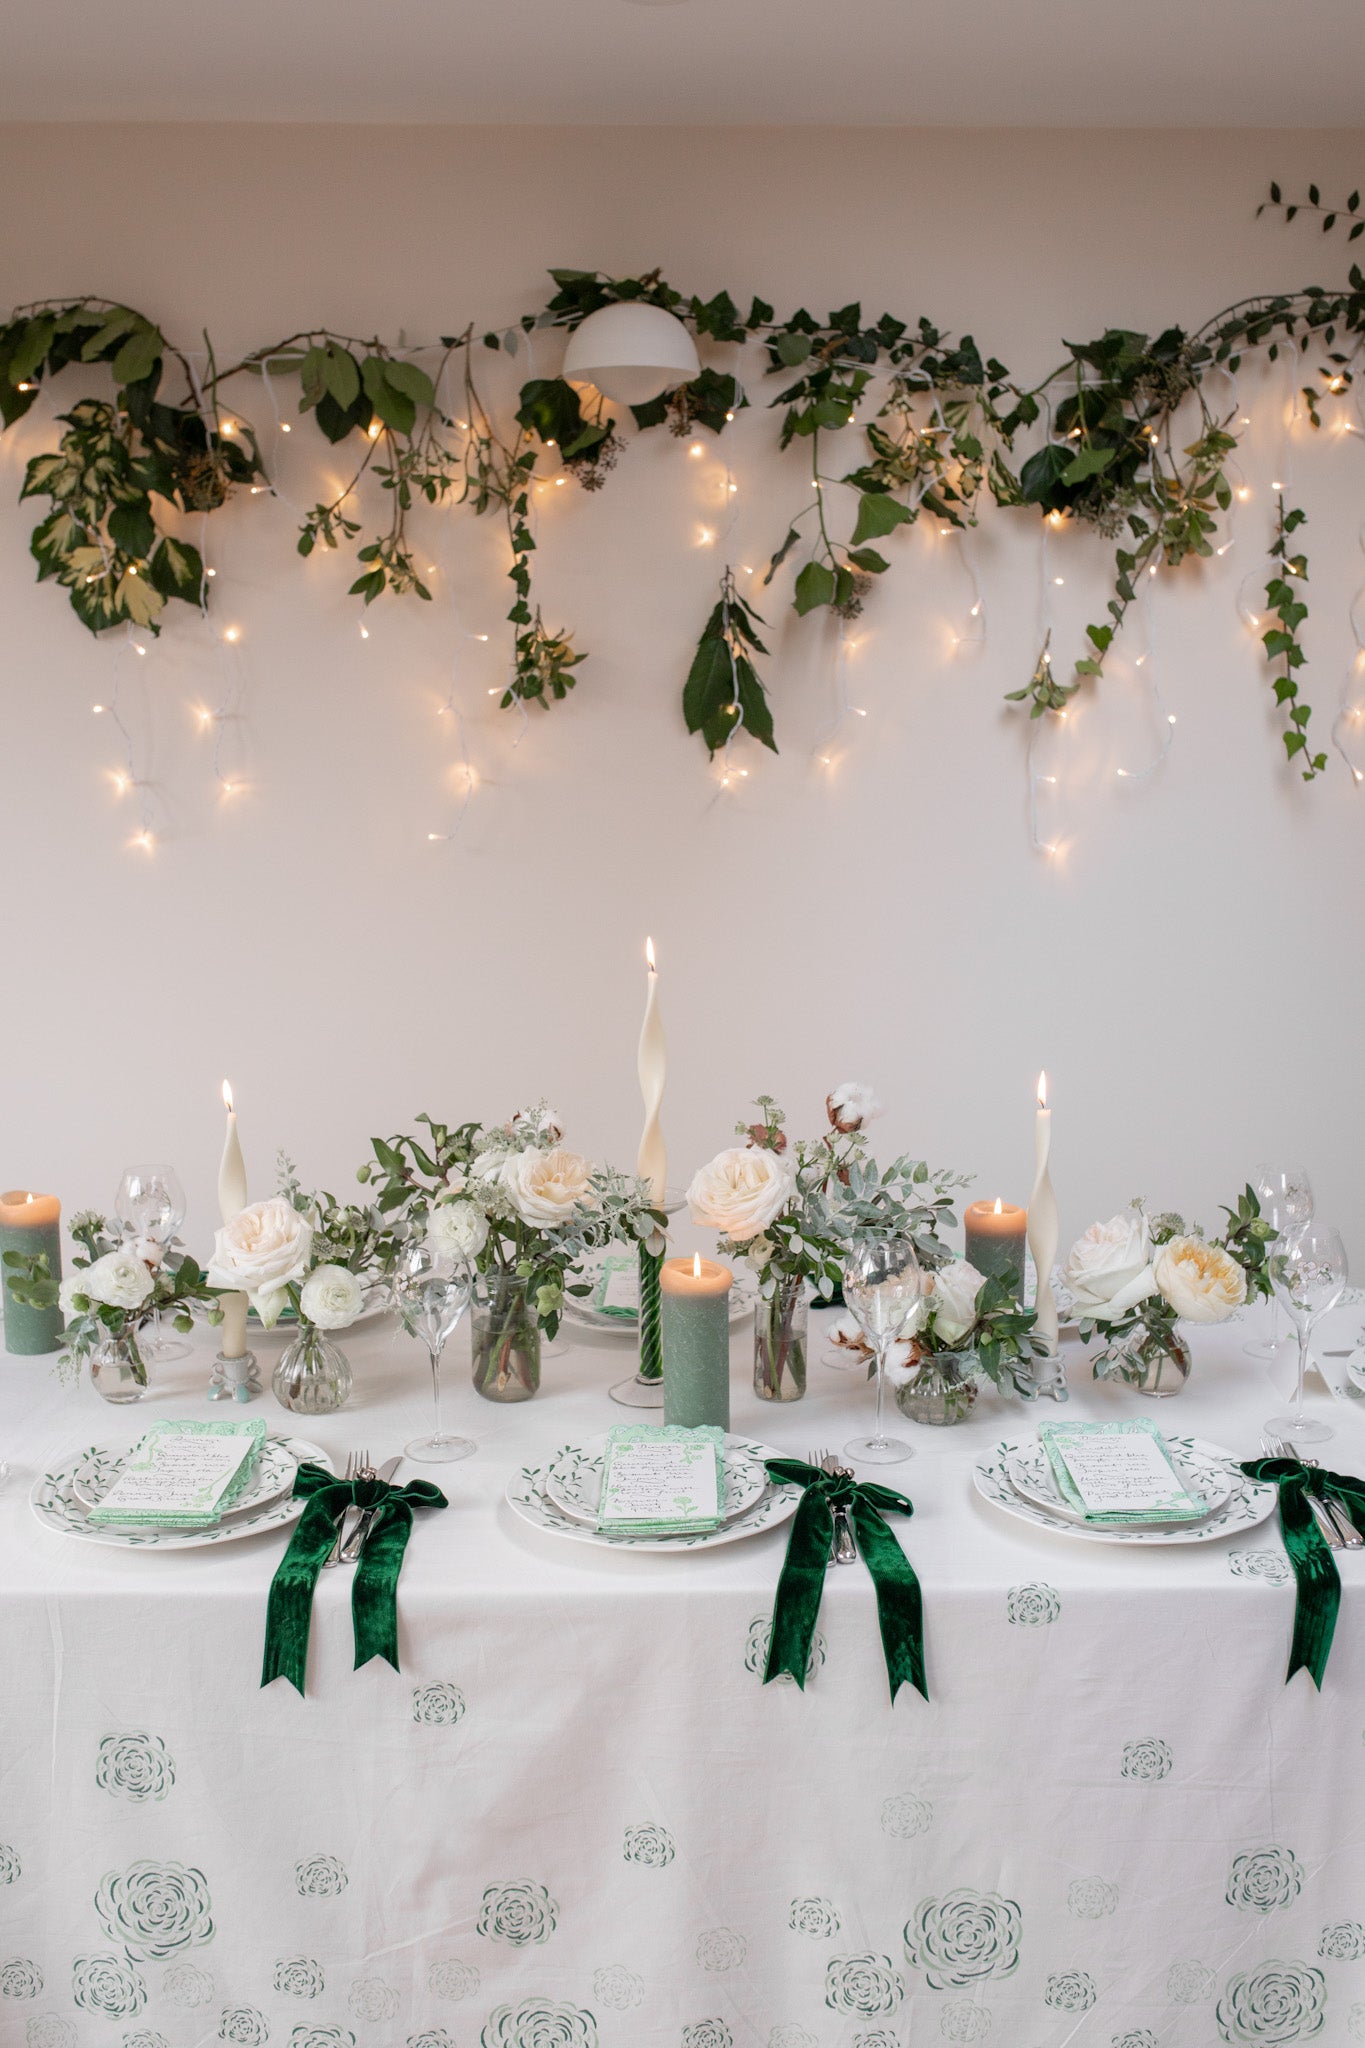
x,y
1189,970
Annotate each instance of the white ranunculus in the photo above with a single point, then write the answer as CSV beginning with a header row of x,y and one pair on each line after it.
x,y
952,1299
73,1285
741,1191
264,1248
118,1280
331,1297
1202,1282
458,1230
851,1105
759,1252
545,1188
1109,1269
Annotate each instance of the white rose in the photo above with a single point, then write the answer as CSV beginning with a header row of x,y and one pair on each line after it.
x,y
952,1299
851,1105
1108,1269
1201,1281
742,1191
118,1280
264,1248
458,1230
489,1163
331,1297
546,1187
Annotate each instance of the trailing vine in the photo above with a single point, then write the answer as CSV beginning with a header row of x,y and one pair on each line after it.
x,y
1129,435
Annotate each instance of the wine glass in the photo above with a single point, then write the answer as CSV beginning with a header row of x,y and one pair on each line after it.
x,y
1309,1275
881,1292
431,1293
1285,1194
151,1203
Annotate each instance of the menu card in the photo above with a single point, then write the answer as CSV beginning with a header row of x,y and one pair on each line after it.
x,y
1118,1472
183,1474
618,1291
661,1481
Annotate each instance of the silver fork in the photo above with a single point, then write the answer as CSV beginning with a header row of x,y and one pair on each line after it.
x,y
1346,1528
845,1549
1327,1527
355,1469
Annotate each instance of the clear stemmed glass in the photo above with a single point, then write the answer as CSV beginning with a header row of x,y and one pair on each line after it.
x,y
431,1294
1285,1194
1309,1275
151,1203
881,1291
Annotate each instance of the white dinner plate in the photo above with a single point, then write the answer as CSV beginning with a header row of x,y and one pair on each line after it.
x,y
1206,1476
581,1309
54,1501
273,1476
527,1498
1248,1503
573,1480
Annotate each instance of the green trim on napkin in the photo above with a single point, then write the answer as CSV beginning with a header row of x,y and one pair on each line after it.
x,y
1180,1505
216,1495
699,1440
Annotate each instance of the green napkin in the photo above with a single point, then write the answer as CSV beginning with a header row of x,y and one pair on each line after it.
x,y
187,1499
698,1460
1168,1503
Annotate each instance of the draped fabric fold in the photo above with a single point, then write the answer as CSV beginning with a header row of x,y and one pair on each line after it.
x,y
1315,1575
801,1586
374,1589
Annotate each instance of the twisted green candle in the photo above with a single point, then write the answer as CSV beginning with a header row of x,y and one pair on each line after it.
x,y
651,1316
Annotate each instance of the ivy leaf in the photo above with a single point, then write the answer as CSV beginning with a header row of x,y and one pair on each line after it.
x,y
792,349
132,528
868,560
1085,463
879,513
814,587
177,570
139,356
1042,472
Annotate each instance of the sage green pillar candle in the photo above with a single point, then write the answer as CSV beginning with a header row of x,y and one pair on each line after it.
x,y
696,1336
30,1224
994,1242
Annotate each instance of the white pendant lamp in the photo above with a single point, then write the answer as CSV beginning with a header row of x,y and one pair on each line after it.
x,y
631,352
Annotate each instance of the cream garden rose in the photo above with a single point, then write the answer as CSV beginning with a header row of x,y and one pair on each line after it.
x,y
458,1229
262,1251
1109,1268
331,1297
118,1280
1202,1282
952,1299
741,1191
545,1188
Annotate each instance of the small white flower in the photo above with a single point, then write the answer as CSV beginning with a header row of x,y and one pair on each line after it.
x,y
759,1253
331,1298
952,1300
458,1229
741,1191
851,1105
118,1280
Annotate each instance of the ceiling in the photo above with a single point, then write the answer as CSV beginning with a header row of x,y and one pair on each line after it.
x,y
882,63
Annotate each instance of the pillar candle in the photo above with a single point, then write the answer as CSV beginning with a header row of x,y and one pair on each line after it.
x,y
696,1331
1042,1220
31,1224
994,1234
231,1202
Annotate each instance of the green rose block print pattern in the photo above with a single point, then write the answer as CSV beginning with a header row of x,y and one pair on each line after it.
x,y
1273,2004
244,2025
47,2030
518,1914
156,1910
1190,1983
452,1979
1265,1881
320,1877
648,1845
11,1869
539,2023
708,2034
963,2021
145,2037
816,1918
299,1977
903,1816
109,1986
720,1948
134,1767
963,1937
1070,1991
437,1706
617,1988
431,2037
322,2037
878,2038
1137,2037
19,1978
1091,1898
758,1640
186,1985
1032,1606
1355,2023
1271,1567
1344,1943
868,1986
791,2037
1147,1762
372,2000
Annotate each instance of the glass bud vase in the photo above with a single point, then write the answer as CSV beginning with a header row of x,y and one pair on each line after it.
x,y
504,1339
117,1372
1157,1366
941,1389
780,1342
313,1376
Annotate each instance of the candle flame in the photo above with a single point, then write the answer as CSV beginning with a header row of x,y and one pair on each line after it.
x,y
227,1097
1042,1091
696,1262
649,955
999,1208
28,1197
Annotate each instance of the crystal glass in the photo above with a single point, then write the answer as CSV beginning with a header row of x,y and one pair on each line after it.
x,y
941,1389
151,1203
881,1292
1309,1275
116,1369
505,1338
1285,1194
313,1376
780,1342
431,1293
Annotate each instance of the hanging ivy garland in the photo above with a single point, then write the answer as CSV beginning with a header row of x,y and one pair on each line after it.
x,y
946,436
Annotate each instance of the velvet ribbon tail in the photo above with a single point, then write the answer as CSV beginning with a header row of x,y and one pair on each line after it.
x,y
1318,1585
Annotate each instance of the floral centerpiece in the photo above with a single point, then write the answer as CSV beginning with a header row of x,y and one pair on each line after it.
x,y
524,1210
966,1327
1136,1277
791,1213
119,1287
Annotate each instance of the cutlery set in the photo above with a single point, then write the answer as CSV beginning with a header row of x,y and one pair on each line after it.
x,y
355,1525
1334,1524
843,1550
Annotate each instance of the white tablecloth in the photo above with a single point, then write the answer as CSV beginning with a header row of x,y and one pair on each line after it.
x,y
577,1819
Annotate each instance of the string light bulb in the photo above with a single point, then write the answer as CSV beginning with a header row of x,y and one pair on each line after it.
x,y
232,634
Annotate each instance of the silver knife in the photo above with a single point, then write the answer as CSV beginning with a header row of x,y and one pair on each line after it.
x,y
355,1542
1318,1509
845,1549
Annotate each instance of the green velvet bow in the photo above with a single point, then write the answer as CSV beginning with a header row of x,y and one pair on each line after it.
x,y
1319,1586
900,1610
374,1589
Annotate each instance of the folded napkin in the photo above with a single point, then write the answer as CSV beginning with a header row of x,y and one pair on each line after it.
x,y
1147,1476
617,1293
662,1481
183,1475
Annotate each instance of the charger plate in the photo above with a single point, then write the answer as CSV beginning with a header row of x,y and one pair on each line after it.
x,y
58,1506
1247,1505
528,1499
